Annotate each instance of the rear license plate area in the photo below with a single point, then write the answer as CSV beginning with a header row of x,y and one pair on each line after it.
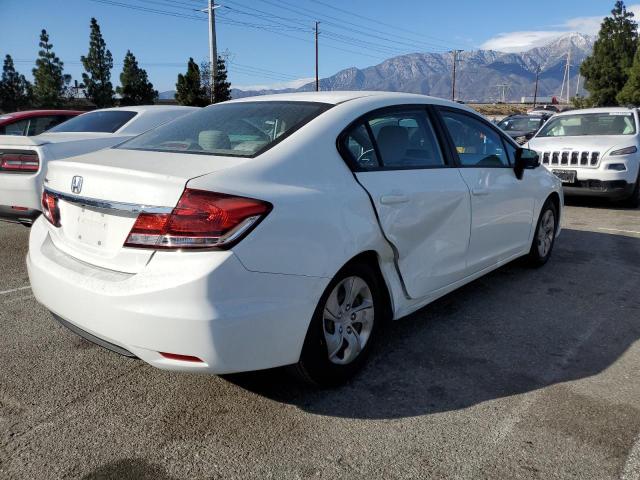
x,y
92,227
567,176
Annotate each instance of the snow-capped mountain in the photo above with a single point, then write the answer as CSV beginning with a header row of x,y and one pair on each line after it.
x,y
478,75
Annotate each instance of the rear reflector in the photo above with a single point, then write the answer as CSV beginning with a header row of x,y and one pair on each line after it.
x,y
201,219
19,162
20,209
182,358
50,208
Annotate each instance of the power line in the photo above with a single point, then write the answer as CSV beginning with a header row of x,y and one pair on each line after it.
x,y
349,26
149,10
378,22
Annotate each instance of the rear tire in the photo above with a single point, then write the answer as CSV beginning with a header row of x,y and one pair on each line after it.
x,y
343,327
544,236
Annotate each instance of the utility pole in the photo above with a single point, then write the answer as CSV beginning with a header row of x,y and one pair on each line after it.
x,y
317,79
453,82
569,76
213,50
535,92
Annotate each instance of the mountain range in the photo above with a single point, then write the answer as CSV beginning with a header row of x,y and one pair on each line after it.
x,y
479,73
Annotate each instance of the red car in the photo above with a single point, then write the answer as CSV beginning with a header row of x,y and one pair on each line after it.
x,y
33,122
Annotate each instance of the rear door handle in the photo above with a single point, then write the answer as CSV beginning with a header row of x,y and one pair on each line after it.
x,y
479,192
393,199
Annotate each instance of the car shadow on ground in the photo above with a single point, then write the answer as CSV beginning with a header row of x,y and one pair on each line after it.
x,y
595,202
513,331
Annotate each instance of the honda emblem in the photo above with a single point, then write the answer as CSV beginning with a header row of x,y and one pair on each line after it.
x,y
76,184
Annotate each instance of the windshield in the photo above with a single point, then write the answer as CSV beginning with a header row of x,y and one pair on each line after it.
x,y
583,124
520,124
243,129
103,121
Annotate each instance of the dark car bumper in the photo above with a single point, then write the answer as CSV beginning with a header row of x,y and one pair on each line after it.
x,y
615,190
15,215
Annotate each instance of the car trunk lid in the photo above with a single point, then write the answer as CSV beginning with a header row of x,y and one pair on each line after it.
x,y
101,194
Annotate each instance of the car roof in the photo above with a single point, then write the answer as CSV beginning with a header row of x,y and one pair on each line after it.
x,y
144,108
36,113
526,115
337,97
597,110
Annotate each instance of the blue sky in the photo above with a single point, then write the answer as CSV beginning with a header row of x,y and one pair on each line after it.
x,y
270,42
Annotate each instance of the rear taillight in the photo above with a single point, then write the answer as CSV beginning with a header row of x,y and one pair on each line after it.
x,y
50,208
19,162
201,219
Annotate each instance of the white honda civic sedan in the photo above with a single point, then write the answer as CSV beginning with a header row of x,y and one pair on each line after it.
x,y
285,229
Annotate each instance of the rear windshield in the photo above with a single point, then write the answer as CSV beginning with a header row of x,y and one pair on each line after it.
x,y
98,121
585,124
243,129
520,124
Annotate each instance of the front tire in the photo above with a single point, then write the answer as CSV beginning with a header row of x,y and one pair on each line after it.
x,y
343,327
545,235
633,201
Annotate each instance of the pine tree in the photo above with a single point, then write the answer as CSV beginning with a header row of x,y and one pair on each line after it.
x,y
205,79
98,64
50,82
222,88
15,91
607,69
189,89
136,88
630,93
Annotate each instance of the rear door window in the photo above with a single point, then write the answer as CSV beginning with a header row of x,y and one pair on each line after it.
x,y
357,143
405,139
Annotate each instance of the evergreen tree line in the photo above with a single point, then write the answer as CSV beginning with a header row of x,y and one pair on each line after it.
x,y
51,87
612,71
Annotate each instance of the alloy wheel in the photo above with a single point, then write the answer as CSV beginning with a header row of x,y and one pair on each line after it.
x,y
347,320
546,231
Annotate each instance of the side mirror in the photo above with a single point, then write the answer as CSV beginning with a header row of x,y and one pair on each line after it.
x,y
525,160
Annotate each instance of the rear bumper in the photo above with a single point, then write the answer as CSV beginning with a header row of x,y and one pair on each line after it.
x,y
21,190
613,189
201,304
93,338
18,215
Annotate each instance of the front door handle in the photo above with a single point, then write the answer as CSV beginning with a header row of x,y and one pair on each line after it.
x,y
393,199
479,192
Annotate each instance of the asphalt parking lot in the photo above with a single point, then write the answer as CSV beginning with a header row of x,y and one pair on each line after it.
x,y
522,374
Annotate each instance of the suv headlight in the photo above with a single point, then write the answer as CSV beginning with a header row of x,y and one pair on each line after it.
x,y
624,151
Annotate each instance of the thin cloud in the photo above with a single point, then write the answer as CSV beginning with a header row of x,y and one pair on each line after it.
x,y
525,40
276,86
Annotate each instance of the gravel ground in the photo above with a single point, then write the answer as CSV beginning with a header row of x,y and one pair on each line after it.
x,y
521,374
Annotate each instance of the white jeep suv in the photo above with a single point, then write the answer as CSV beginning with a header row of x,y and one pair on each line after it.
x,y
593,151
